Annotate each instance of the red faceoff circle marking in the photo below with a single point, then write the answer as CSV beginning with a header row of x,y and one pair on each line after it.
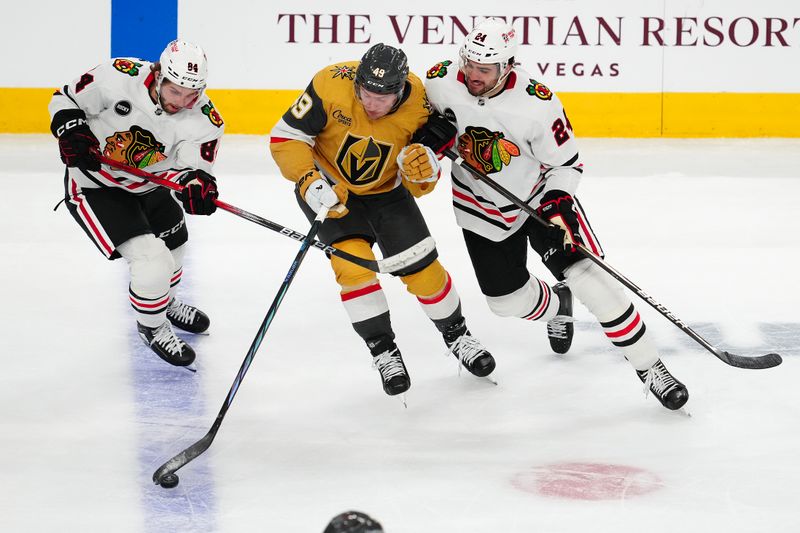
x,y
587,481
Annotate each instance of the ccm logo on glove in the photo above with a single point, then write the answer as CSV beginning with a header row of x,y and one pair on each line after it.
x,y
74,123
77,145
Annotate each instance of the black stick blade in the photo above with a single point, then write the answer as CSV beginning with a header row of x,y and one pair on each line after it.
x,y
183,458
769,360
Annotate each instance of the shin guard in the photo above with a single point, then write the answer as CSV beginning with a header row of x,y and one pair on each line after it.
x,y
151,267
606,300
435,291
533,301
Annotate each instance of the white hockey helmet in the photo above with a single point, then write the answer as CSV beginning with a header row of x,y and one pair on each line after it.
x,y
491,41
184,64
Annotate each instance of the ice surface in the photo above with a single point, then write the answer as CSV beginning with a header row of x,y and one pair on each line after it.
x,y
707,227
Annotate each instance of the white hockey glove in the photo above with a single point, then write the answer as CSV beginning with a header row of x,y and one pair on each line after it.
x,y
317,192
418,164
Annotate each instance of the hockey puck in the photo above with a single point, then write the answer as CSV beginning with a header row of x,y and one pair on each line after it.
x,y
168,481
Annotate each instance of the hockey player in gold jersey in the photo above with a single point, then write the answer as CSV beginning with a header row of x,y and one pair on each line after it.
x,y
361,141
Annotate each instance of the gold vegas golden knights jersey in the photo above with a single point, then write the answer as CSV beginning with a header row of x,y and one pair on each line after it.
x,y
327,127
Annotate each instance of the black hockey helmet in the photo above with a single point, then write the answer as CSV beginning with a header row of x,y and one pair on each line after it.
x,y
353,522
383,70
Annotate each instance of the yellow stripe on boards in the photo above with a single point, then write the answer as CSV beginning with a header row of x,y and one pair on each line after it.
x,y
731,115
613,114
255,111
25,110
251,111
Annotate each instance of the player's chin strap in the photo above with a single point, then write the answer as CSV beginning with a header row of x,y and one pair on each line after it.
x,y
159,79
388,265
762,361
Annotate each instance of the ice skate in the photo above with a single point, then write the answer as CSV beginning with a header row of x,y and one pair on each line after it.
x,y
187,317
468,350
670,392
168,346
394,375
560,328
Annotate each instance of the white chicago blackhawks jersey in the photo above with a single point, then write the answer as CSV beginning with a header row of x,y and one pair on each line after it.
x,y
520,137
133,130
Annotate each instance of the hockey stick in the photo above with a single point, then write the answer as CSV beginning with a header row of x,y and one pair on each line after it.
x,y
387,265
165,475
740,361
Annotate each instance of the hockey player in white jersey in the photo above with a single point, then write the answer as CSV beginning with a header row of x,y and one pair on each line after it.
x,y
153,116
514,129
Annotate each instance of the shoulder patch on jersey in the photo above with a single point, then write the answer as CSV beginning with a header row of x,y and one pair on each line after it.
x,y
136,147
485,149
346,72
212,114
439,70
126,66
122,108
539,90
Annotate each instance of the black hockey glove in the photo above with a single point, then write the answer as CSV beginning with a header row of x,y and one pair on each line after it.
x,y
199,192
558,208
76,142
438,133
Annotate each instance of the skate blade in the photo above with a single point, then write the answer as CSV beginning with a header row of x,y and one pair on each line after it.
x,y
192,333
488,379
191,368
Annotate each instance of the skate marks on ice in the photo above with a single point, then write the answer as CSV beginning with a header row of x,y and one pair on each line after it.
x,y
780,337
170,409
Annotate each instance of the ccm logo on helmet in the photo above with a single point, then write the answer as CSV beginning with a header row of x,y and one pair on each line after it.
x,y
68,125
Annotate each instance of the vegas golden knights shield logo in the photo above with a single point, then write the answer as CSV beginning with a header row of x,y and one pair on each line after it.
x,y
361,160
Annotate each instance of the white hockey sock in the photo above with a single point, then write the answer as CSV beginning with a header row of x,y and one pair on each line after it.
x,y
606,300
364,303
442,305
533,301
151,266
177,274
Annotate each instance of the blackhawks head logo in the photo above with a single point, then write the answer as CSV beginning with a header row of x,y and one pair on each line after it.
x,y
126,66
361,160
136,147
486,150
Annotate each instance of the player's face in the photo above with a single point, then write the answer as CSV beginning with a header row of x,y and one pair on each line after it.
x,y
376,105
480,78
117,144
174,97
